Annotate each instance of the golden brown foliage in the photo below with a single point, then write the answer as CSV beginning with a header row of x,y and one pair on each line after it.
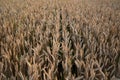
x,y
59,39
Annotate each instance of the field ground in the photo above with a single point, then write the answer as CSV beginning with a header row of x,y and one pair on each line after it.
x,y
59,39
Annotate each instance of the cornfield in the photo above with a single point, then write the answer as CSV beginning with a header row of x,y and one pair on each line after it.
x,y
59,39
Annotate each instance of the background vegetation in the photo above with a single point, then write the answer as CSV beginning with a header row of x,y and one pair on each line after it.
x,y
59,39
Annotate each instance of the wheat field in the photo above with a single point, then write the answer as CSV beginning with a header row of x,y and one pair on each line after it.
x,y
59,39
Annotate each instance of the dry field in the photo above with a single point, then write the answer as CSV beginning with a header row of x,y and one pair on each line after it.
x,y
59,39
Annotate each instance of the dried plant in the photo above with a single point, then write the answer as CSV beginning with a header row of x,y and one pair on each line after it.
x,y
59,39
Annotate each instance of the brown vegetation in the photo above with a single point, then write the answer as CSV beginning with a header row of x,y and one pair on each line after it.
x,y
59,39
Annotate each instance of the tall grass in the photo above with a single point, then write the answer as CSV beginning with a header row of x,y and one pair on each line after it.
x,y
59,39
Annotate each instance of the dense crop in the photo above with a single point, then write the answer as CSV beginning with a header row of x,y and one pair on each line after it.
x,y
59,39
